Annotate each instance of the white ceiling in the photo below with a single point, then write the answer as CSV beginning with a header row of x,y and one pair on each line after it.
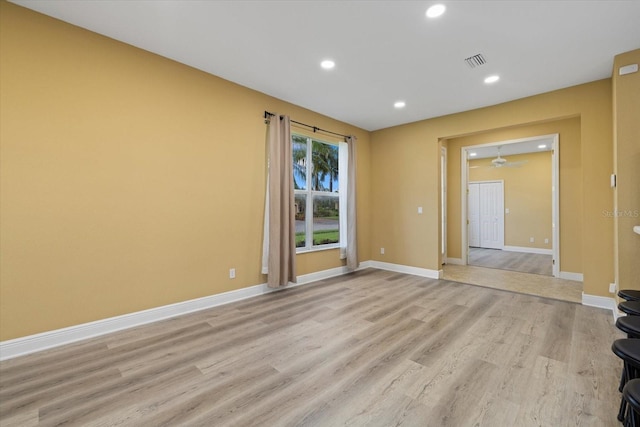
x,y
384,50
511,148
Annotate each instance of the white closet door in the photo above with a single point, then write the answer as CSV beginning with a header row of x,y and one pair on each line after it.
x,y
474,215
491,195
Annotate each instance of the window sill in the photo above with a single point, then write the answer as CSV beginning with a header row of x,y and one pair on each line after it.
x,y
316,249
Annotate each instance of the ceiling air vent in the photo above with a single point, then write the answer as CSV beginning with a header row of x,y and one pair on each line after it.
x,y
475,60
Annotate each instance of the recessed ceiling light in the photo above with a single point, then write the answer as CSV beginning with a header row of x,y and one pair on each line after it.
x,y
327,64
473,154
399,104
542,146
492,79
435,10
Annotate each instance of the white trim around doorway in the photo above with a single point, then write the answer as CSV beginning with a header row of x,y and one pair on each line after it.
x,y
555,202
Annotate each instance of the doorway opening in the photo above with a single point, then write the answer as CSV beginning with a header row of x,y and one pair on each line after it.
x,y
510,219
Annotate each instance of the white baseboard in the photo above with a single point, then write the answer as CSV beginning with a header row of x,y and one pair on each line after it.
x,y
567,275
528,250
46,340
365,264
324,274
416,271
602,302
454,261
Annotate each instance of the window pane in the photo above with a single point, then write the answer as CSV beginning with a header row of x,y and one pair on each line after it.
x,y
300,209
325,167
326,223
299,162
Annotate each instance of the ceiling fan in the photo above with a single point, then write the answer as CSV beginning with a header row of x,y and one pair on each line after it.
x,y
501,162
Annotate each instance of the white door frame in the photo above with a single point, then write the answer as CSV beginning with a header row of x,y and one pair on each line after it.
x,y
555,194
443,201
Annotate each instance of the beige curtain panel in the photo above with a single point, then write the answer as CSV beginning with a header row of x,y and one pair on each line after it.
x,y
352,240
279,246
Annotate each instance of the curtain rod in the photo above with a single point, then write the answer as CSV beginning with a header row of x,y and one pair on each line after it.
x,y
315,128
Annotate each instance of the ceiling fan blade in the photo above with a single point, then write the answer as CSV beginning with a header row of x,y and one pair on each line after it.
x,y
515,164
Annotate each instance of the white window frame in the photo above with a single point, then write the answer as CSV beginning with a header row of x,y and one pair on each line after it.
x,y
310,194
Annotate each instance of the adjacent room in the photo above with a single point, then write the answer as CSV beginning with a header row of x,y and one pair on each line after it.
x,y
372,213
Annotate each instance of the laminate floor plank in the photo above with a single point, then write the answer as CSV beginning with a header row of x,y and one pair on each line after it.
x,y
47,395
467,384
559,333
166,354
24,368
371,348
494,411
440,342
21,419
49,379
345,381
104,401
548,398
183,407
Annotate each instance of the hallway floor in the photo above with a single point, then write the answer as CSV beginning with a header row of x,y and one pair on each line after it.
x,y
514,261
531,284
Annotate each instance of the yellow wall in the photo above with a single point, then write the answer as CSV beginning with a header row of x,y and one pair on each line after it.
x,y
527,196
571,190
406,164
129,181
626,213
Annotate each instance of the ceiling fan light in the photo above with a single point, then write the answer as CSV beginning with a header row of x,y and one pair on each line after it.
x,y
499,161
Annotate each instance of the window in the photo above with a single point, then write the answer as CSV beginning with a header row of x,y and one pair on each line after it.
x,y
316,175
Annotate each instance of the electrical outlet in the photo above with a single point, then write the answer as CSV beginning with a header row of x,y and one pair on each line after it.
x,y
382,251
612,288
419,209
531,240
232,273
546,240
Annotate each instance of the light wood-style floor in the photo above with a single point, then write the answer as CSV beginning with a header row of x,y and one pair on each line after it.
x,y
514,261
514,281
372,348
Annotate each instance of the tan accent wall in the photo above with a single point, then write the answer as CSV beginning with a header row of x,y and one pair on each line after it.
x,y
129,181
571,191
406,164
626,213
527,196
